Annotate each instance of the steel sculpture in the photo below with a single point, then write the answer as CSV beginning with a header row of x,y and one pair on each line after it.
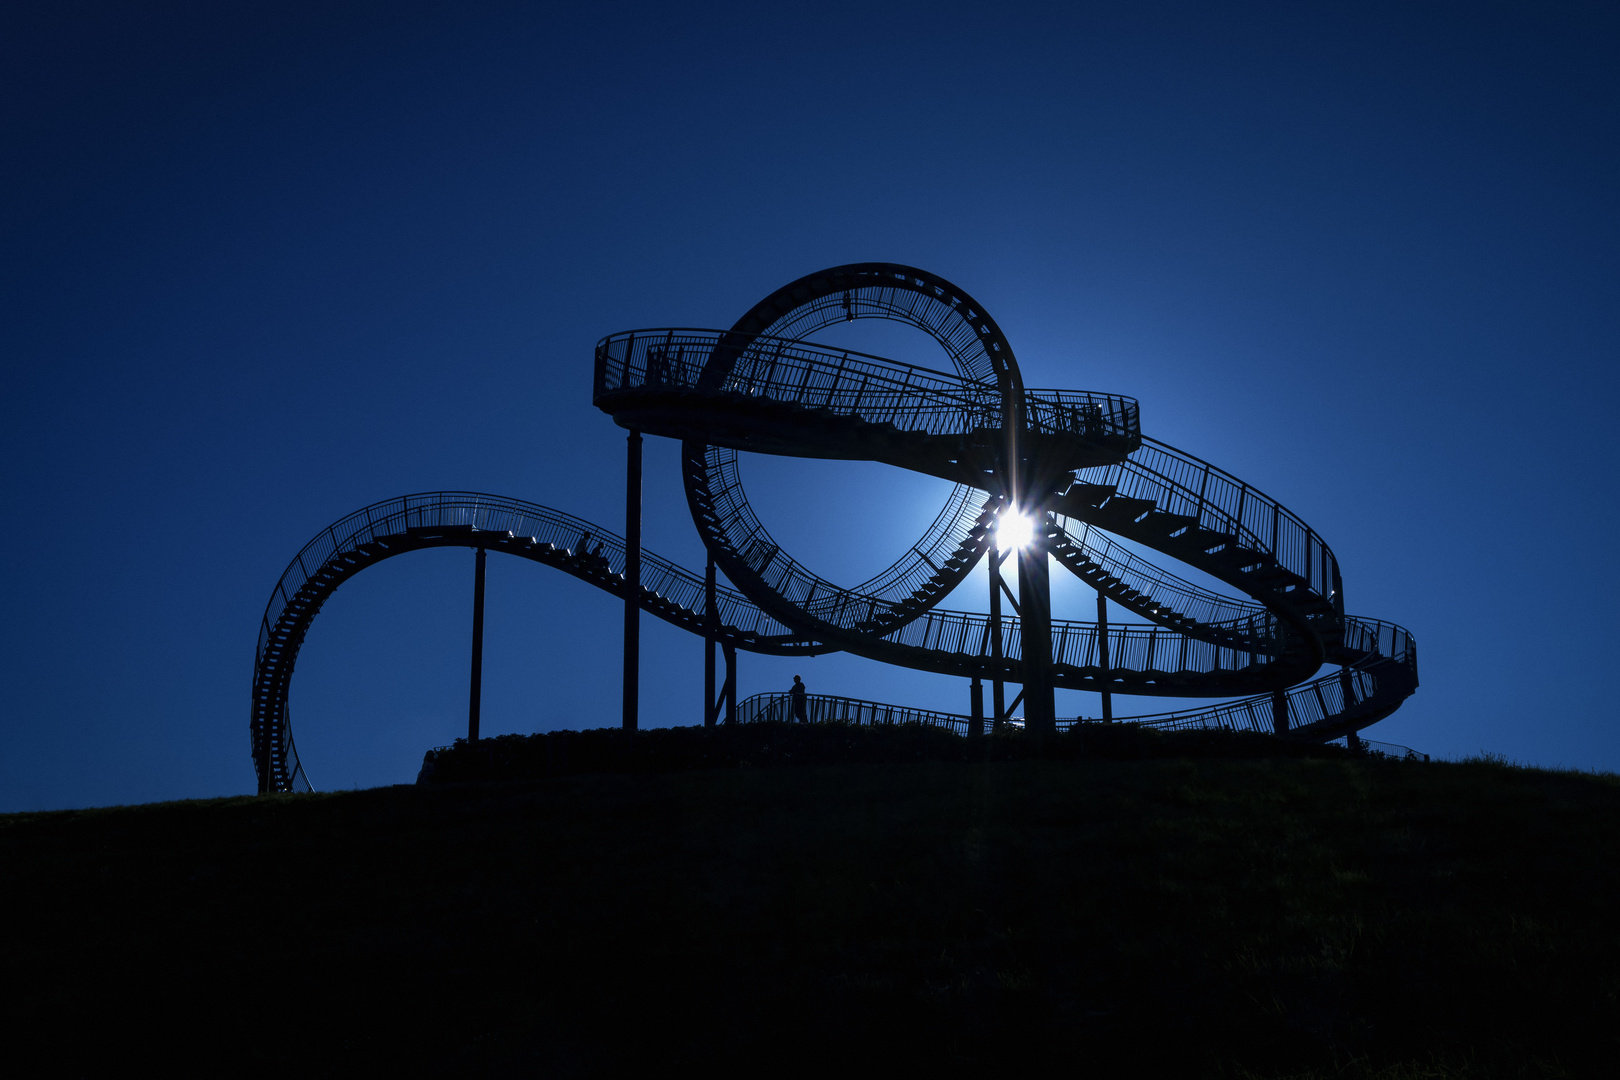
x,y
1075,463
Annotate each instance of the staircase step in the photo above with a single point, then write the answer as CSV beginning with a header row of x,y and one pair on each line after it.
x,y
1090,494
1163,523
1129,507
1244,558
1205,539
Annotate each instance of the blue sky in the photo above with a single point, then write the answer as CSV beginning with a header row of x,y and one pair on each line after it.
x,y
264,264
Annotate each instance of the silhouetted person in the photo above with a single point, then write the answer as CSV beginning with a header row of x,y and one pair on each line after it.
x,y
797,694
582,547
599,557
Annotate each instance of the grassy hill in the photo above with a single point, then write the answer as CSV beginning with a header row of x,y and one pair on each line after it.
x,y
1215,917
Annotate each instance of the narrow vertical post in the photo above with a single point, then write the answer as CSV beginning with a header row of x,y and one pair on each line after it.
x,y
1279,712
730,691
1035,634
476,694
632,583
998,687
1012,423
976,700
1102,658
268,731
1034,578
711,620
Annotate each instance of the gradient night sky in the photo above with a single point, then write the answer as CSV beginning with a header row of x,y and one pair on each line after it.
x,y
267,263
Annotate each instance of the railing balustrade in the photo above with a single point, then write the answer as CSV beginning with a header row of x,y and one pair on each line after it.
x,y
1228,616
1219,502
911,397
1204,634
491,514
830,709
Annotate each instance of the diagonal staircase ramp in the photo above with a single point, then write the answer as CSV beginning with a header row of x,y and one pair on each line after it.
x,y
1186,508
471,519
1157,594
762,387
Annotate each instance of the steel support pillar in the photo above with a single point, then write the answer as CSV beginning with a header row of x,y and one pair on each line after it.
x,y
730,691
269,731
475,694
998,685
1102,659
1279,712
632,583
711,622
976,699
1035,634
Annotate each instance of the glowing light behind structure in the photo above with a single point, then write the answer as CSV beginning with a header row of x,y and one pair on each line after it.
x,y
1013,531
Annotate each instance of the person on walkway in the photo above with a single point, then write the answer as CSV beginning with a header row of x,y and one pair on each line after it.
x,y
797,693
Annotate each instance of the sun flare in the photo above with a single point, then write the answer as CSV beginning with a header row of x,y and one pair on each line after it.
x,y
1013,531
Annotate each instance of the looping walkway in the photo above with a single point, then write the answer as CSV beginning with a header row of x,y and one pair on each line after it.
x,y
1078,460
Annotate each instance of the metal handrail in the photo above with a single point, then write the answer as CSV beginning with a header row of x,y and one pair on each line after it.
x,y
1251,715
961,634
1394,751
889,598
1180,483
845,382
660,577
1369,686
831,709
1082,547
1200,642
1379,657
668,589
923,399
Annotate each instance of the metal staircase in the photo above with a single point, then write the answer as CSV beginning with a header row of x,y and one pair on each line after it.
x,y
469,519
1079,458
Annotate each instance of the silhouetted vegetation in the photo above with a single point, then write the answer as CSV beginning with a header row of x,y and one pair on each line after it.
x,y
772,745
1223,917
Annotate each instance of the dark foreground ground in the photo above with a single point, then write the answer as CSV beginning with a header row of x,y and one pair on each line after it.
x,y
1212,917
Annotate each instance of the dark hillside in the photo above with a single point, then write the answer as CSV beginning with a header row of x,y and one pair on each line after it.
x,y
1216,917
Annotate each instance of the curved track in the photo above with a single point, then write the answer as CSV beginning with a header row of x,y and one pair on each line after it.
x,y
1078,460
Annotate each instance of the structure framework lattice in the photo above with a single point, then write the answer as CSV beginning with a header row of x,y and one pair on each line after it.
x,y
1075,462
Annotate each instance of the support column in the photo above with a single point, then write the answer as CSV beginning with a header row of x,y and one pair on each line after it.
x,y
730,691
976,698
266,733
1279,712
1102,657
1035,636
476,693
632,583
271,730
711,619
998,687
